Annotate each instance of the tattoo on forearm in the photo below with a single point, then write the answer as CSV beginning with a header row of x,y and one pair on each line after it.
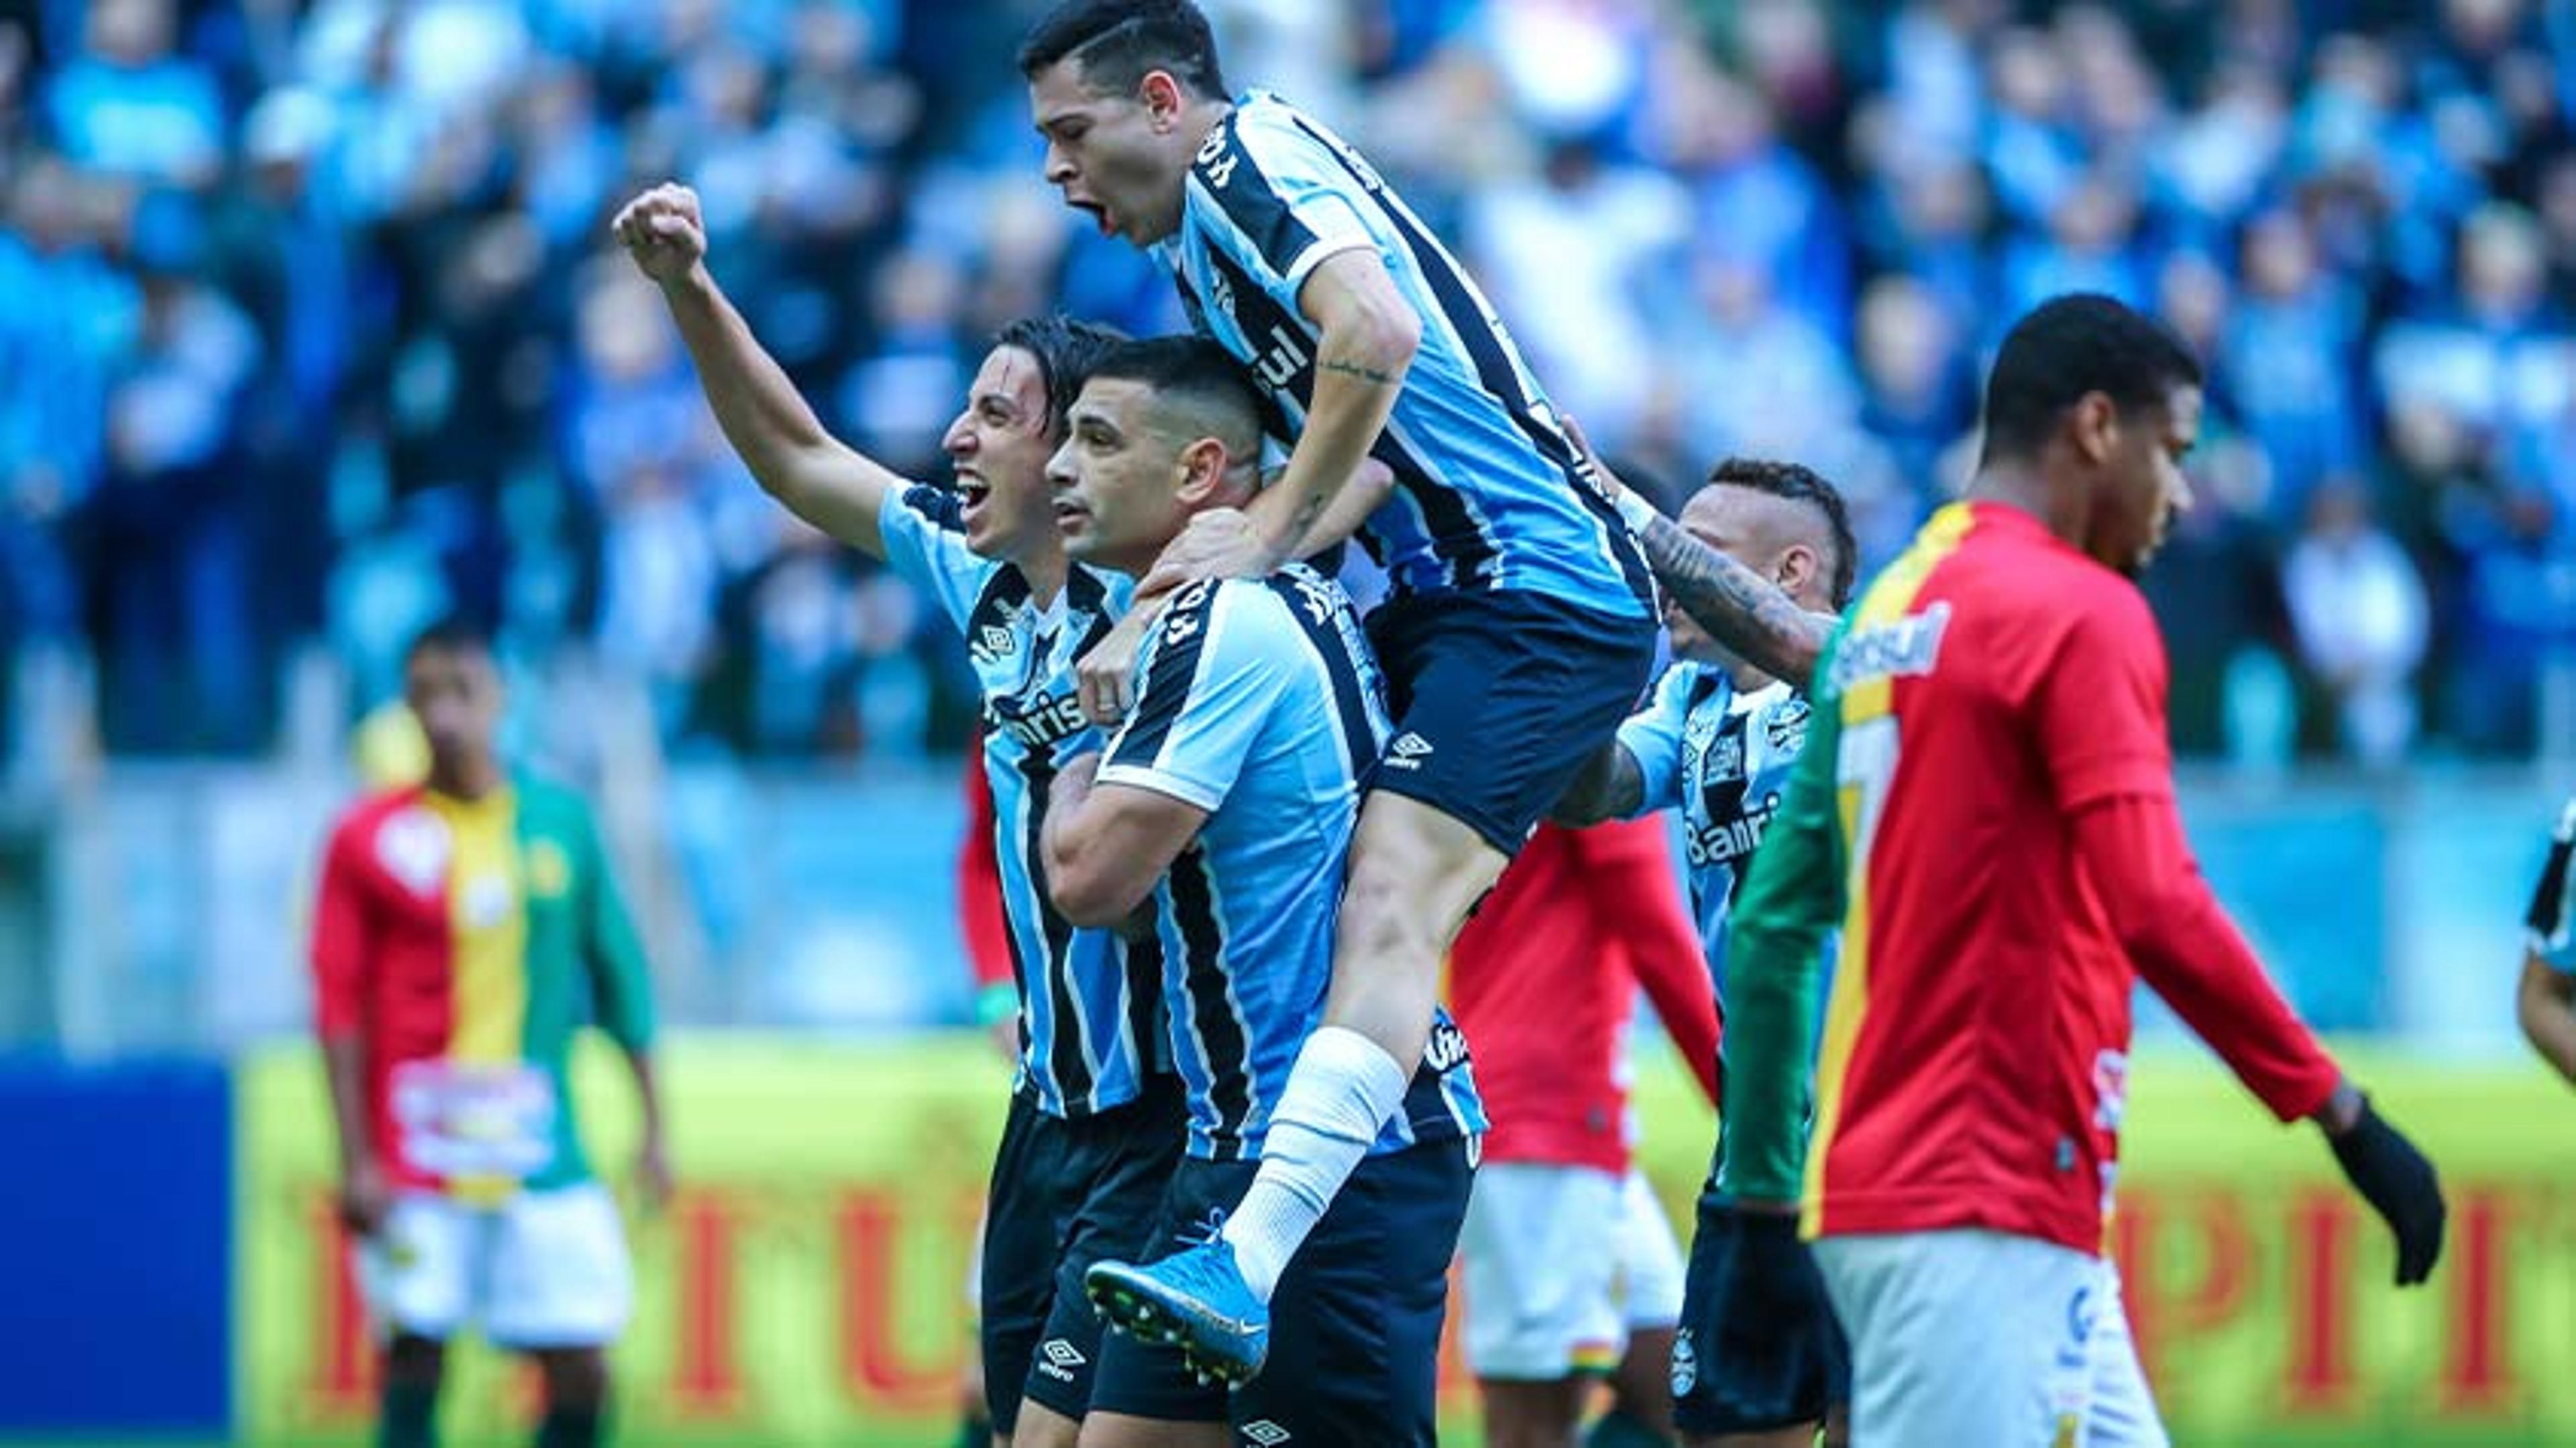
x,y
1743,611
1360,370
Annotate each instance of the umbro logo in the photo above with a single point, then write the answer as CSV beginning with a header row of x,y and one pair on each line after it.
x,y
991,644
1408,751
1058,1358
1265,1433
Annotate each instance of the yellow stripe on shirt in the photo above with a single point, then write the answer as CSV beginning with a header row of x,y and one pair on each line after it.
x,y
1865,773
487,911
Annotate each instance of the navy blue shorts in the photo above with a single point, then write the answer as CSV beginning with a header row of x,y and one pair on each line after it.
x,y
1354,1326
1499,698
1066,1194
1758,1348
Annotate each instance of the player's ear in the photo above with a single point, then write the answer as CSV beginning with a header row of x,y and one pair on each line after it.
x,y
1161,95
2095,426
1798,563
1203,466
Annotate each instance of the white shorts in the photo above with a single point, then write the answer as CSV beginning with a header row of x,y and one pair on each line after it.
x,y
1560,1264
2049,1364
539,1270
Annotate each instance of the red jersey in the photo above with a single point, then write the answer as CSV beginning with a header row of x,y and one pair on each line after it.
x,y
1544,978
2012,863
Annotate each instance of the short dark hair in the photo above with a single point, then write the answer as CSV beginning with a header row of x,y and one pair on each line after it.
x,y
1186,367
2072,345
454,634
1800,484
1065,350
1116,42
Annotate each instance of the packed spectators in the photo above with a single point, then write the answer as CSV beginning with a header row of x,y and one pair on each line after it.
x,y
311,330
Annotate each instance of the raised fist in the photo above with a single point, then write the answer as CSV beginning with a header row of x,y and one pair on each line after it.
x,y
661,229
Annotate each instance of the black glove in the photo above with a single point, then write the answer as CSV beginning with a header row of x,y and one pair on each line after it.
x,y
2400,1185
1757,1302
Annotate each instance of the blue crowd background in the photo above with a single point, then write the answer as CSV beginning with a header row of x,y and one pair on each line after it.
x,y
310,328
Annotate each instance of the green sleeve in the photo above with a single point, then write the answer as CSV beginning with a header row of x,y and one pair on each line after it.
x,y
621,989
1791,901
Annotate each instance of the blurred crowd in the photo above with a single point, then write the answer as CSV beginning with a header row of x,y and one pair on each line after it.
x,y
310,328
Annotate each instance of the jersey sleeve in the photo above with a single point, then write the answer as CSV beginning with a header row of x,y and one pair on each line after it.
x,y
927,546
1628,867
1220,661
2132,848
2550,924
1278,198
621,988
1653,738
1793,898
343,936
2098,703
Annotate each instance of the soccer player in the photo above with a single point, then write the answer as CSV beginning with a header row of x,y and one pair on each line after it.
x,y
1520,631
1986,806
1568,1264
2546,1002
467,926
1758,1360
1235,784
1095,1123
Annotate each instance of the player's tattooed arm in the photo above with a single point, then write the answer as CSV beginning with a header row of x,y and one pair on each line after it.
x,y
1749,615
1366,335
1609,786
1365,371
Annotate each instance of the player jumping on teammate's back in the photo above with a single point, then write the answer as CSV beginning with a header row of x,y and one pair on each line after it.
x,y
1986,808
1094,1121
1230,798
467,926
1520,608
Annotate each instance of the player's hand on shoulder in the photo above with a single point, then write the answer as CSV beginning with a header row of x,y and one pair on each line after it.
x,y
1219,543
1105,677
2398,1182
663,231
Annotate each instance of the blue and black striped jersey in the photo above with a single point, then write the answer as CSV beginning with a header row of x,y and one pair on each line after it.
x,y
1724,759
1087,998
1259,702
1489,494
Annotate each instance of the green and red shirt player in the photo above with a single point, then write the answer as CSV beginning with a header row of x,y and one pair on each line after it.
x,y
468,926
1986,810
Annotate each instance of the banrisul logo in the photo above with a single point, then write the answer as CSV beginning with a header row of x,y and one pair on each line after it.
x,y
1900,648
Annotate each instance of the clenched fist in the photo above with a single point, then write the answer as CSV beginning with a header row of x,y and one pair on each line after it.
x,y
662,230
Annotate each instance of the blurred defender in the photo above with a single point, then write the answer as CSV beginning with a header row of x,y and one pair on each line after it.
x,y
467,926
1095,1119
1986,807
1568,1263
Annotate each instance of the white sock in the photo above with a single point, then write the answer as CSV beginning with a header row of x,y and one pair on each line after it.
x,y
1342,1089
